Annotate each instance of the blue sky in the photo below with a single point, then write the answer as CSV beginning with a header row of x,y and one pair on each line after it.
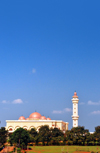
x,y
48,50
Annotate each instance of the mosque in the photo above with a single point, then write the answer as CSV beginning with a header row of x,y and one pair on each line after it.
x,y
36,120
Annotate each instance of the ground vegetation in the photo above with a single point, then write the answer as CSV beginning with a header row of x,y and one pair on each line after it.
x,y
20,138
3,136
54,136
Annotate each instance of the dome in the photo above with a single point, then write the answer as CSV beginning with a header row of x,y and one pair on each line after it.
x,y
35,115
75,95
43,118
21,118
27,118
48,118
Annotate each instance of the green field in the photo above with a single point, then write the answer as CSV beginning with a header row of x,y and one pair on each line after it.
x,y
63,149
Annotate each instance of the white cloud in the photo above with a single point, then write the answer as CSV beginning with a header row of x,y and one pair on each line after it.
x,y
95,112
33,70
62,111
4,101
57,112
17,101
93,103
81,103
68,109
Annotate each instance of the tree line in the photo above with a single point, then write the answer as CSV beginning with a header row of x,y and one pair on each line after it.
x,y
50,136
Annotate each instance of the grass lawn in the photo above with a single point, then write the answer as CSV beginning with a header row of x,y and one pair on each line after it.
x,y
63,149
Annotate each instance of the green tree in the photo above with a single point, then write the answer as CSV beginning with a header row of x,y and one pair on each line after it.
x,y
20,137
36,139
97,129
33,133
77,135
3,135
88,138
57,132
56,136
97,135
44,134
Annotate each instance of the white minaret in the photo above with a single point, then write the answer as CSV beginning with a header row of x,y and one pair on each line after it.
x,y
75,110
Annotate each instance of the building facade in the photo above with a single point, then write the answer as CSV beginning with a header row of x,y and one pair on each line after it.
x,y
35,120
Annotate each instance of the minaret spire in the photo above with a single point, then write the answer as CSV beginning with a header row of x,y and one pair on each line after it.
x,y
75,110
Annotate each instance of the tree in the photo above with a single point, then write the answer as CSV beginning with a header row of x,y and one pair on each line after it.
x,y
44,134
3,135
69,135
56,136
20,137
97,134
33,133
97,129
88,138
77,135
57,132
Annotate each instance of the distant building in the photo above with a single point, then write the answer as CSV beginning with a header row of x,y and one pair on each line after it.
x,y
35,120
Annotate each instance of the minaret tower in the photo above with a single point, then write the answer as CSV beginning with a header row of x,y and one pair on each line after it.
x,y
75,110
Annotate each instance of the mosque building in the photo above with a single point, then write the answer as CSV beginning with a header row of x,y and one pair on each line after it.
x,y
36,120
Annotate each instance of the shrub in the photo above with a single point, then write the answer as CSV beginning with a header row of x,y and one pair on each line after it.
x,y
18,150
40,143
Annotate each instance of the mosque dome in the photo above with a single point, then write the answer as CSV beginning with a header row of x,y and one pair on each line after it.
x,y
35,115
43,118
21,118
48,118
27,118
